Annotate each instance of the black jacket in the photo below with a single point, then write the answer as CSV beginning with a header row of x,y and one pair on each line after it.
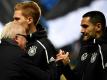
x,y
93,60
14,64
42,53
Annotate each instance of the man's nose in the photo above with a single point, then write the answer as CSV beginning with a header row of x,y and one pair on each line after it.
x,y
82,30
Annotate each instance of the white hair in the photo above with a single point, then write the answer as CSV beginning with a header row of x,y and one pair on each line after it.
x,y
11,29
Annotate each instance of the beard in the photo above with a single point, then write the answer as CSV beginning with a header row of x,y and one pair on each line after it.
x,y
87,37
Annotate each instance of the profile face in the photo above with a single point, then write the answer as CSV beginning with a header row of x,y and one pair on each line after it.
x,y
87,29
18,17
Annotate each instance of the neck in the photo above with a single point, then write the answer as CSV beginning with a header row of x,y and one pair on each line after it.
x,y
32,28
99,35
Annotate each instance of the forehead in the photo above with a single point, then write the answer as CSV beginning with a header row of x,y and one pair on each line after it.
x,y
18,13
85,20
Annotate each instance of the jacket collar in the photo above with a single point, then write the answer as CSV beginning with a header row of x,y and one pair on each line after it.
x,y
37,35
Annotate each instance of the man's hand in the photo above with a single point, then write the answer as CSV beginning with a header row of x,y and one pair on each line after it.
x,y
63,56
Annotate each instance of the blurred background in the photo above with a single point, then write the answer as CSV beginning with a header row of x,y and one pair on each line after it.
x,y
61,18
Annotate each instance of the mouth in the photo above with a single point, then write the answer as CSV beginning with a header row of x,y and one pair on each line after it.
x,y
84,36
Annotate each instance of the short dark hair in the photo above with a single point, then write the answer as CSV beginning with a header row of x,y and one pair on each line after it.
x,y
96,17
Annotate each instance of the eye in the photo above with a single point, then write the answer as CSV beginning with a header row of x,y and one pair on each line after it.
x,y
84,26
16,18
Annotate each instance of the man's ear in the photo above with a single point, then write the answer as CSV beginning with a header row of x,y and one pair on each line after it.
x,y
98,27
16,39
29,20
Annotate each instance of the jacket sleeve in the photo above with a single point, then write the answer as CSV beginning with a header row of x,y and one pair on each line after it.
x,y
104,74
36,72
66,71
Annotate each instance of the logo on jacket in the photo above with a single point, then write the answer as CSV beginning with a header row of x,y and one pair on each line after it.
x,y
51,59
93,57
84,56
32,51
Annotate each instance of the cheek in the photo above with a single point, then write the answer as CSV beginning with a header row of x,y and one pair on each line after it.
x,y
89,31
93,33
24,42
22,21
